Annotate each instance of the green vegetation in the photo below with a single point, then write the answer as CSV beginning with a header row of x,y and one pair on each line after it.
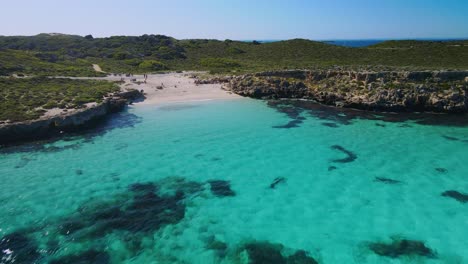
x,y
28,98
70,55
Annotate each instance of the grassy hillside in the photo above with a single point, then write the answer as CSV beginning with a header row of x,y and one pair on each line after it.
x,y
46,54
29,98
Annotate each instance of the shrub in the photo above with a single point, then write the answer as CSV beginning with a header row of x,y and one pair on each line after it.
x,y
152,65
219,63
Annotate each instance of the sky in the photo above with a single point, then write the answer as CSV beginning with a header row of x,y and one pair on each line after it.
x,y
241,19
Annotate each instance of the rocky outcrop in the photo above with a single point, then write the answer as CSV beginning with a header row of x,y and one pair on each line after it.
x,y
396,91
70,121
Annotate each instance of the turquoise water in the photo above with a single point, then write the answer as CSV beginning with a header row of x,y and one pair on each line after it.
x,y
55,196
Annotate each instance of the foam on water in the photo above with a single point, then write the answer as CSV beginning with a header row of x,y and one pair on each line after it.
x,y
328,204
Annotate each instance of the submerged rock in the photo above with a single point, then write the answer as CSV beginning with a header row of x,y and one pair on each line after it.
x,y
18,248
87,257
277,181
461,197
142,187
290,124
402,247
270,253
300,257
330,124
350,155
265,253
221,188
386,180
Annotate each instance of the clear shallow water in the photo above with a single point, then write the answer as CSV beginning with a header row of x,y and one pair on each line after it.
x,y
329,202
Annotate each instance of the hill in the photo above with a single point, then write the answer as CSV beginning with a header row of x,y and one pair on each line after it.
x,y
58,54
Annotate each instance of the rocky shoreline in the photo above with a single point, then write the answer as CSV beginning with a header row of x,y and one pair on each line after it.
x,y
70,121
385,91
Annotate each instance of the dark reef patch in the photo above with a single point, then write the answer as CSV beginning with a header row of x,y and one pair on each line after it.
x,y
292,112
18,248
142,187
79,172
461,197
23,162
386,180
441,170
350,155
346,116
450,138
277,181
87,257
380,125
332,168
402,247
330,124
290,124
143,209
269,253
221,188
300,257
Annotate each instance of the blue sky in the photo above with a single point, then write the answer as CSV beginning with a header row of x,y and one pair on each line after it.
x,y
242,19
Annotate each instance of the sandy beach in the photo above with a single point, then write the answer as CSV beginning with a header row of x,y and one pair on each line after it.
x,y
173,88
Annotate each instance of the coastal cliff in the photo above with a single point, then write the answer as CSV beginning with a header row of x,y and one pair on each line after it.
x,y
394,91
69,121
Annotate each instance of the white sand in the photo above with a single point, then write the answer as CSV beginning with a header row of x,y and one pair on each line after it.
x,y
176,87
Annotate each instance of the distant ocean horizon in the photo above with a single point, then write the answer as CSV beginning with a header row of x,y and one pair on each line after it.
x,y
358,43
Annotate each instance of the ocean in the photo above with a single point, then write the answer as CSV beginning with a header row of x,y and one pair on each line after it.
x,y
241,181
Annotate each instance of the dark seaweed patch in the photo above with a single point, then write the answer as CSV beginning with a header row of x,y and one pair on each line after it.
x,y
380,125
79,172
265,253
290,124
18,248
300,257
402,247
345,116
87,257
269,253
450,138
292,112
461,197
441,170
331,168
350,155
330,124
221,188
386,180
141,210
71,226
23,162
277,181
142,187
